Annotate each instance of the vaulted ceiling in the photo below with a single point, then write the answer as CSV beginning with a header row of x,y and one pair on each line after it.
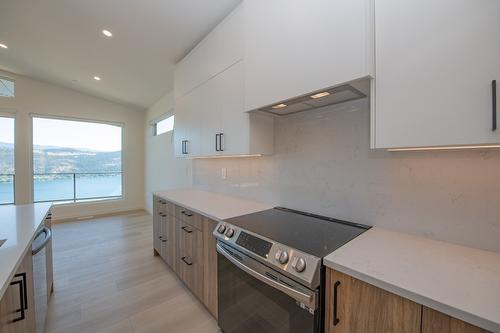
x,y
61,42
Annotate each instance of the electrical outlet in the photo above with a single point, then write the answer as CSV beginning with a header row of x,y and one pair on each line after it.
x,y
223,173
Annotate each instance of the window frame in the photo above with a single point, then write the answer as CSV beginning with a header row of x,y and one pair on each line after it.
x,y
11,80
8,113
72,202
154,123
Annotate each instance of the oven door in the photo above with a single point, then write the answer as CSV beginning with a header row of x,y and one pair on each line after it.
x,y
255,298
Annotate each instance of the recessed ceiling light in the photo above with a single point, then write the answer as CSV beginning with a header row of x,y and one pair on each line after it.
x,y
279,106
321,94
107,33
3,46
97,78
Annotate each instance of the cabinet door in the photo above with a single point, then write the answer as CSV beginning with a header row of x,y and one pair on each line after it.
x,y
156,225
209,266
186,127
190,258
49,258
435,62
363,308
437,322
171,246
235,123
11,301
209,115
293,47
221,48
165,236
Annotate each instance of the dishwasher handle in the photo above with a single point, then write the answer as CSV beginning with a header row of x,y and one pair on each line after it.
x,y
48,236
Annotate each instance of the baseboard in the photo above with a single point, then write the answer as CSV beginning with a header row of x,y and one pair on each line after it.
x,y
96,216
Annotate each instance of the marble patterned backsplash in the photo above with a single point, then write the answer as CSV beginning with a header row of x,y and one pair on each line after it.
x,y
323,164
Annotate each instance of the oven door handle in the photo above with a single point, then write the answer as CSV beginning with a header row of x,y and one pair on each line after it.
x,y
309,300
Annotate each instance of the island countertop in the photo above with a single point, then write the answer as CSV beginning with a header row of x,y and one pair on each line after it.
x,y
459,281
18,225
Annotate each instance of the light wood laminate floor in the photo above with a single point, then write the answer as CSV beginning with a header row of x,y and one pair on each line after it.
x,y
106,279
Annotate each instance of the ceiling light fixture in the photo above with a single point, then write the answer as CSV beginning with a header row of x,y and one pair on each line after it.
x,y
321,94
279,106
107,33
3,46
97,78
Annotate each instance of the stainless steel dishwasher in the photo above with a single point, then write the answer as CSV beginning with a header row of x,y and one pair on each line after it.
x,y
39,252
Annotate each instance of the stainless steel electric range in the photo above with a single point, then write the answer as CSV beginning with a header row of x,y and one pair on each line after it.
x,y
270,271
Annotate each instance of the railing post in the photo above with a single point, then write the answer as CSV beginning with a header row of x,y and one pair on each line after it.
x,y
13,188
74,187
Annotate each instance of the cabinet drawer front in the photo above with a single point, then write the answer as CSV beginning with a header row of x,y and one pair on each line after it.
x,y
189,217
163,206
188,239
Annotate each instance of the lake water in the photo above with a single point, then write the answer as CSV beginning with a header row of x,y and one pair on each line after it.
x,y
61,188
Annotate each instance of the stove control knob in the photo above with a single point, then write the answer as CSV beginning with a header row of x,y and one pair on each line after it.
x,y
221,229
229,233
277,255
301,265
284,257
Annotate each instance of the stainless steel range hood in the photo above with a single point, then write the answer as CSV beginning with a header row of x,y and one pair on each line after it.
x,y
317,99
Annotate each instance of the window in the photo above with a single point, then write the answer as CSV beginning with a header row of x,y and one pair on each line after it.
x,y
76,160
7,87
7,169
163,126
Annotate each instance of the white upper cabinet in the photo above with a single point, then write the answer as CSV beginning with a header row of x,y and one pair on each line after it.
x,y
222,48
225,128
210,99
435,62
293,47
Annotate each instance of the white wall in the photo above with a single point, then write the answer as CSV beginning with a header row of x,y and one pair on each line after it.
x,y
162,169
38,97
323,164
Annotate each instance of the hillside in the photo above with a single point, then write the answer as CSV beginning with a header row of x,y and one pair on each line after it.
x,y
49,159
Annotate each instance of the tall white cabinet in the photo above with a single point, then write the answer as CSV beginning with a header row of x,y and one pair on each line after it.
x,y
294,47
210,99
435,62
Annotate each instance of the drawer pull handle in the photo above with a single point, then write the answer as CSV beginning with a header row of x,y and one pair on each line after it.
x,y
494,104
186,229
23,296
187,214
336,320
187,261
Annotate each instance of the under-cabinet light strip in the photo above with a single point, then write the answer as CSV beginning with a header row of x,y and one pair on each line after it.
x,y
223,156
443,148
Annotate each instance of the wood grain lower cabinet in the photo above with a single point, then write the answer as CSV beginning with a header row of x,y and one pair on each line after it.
x,y
437,322
190,257
49,259
156,225
353,306
209,266
184,241
17,305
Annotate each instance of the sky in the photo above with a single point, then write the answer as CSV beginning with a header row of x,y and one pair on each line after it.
x,y
65,133
76,134
6,130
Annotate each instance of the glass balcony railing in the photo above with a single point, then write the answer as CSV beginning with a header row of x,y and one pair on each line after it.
x,y
76,186
7,194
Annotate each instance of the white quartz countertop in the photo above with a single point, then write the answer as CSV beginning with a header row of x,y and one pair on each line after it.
x,y
213,205
459,281
18,224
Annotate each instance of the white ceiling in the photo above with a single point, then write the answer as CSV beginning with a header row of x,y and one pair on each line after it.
x,y
60,41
